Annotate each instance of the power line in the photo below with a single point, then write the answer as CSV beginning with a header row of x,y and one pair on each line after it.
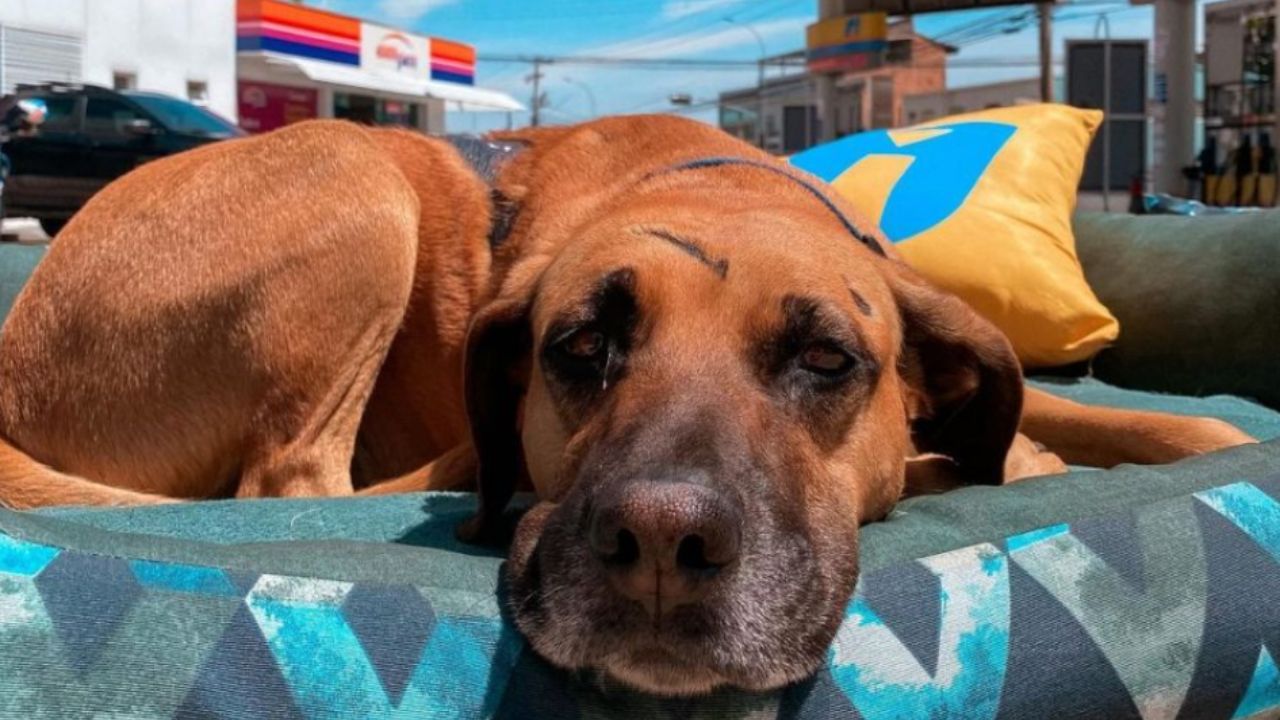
x,y
686,25
970,33
743,18
636,62
977,25
587,11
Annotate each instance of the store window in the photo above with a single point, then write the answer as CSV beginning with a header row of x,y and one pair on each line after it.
x,y
356,108
394,112
375,111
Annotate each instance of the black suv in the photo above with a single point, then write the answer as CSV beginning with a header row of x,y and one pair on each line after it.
x,y
91,136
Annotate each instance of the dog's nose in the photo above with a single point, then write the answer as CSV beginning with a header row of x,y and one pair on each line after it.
x,y
663,541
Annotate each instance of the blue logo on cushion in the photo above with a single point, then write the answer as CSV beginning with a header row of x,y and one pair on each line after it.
x,y
945,166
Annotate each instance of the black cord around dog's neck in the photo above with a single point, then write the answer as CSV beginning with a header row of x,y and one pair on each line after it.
x,y
486,158
721,161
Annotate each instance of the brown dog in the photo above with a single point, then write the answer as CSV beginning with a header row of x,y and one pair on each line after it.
x,y
708,367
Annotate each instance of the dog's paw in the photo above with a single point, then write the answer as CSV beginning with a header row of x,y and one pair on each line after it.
x,y
1028,458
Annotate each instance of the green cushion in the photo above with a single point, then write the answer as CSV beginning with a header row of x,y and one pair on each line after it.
x,y
1197,299
16,264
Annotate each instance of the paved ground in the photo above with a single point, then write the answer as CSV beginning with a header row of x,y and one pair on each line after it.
x,y
27,230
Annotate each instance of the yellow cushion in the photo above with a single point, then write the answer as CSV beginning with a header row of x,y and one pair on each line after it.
x,y
981,205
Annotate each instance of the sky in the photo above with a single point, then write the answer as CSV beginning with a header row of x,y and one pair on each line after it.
x,y
702,29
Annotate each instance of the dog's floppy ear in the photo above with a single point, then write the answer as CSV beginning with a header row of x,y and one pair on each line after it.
x,y
496,373
963,384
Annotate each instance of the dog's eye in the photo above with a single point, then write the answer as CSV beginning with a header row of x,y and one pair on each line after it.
x,y
584,344
826,360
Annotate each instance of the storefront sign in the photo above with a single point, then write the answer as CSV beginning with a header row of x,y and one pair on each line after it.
x,y
453,61
292,29
389,51
852,42
266,107
284,28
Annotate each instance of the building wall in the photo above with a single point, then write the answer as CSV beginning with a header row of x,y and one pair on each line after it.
x,y
926,74
923,107
1223,38
862,100
776,100
60,16
877,95
164,44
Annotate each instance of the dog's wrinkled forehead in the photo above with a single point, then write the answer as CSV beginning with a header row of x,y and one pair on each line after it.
x,y
740,270
809,184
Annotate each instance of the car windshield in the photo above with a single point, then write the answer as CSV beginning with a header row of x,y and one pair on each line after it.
x,y
184,117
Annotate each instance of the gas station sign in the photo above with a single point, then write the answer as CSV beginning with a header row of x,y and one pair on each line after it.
x,y
851,42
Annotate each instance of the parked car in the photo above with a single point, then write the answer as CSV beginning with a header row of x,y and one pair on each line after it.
x,y
92,135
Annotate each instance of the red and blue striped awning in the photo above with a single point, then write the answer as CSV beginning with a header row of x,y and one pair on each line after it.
x,y
453,61
267,25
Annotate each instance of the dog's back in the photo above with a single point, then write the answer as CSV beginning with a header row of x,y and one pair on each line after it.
x,y
161,344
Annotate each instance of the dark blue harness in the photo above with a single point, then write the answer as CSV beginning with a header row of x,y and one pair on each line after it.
x,y
812,188
487,157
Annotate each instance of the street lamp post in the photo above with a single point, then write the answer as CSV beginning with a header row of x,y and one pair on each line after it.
x,y
591,96
759,78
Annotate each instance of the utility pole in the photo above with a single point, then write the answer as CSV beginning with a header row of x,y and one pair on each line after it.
x,y
825,83
759,77
1046,51
535,77
1174,111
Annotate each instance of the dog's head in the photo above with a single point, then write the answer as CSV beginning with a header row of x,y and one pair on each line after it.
x,y
711,384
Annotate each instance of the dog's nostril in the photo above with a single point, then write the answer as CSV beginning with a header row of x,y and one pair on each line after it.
x,y
628,549
615,546
692,554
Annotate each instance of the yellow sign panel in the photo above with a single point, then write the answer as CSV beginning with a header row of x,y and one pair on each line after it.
x,y
847,43
836,31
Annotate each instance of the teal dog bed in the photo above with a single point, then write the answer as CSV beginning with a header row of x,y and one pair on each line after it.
x,y
1134,592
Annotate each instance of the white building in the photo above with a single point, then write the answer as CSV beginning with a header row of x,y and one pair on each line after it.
x,y
184,48
924,107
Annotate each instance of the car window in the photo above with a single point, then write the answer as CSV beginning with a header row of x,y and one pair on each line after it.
x,y
59,113
106,116
182,116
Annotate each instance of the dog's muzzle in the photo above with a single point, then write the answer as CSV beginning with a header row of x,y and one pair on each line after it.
x,y
663,542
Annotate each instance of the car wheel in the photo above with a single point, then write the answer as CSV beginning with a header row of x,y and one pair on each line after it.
x,y
51,227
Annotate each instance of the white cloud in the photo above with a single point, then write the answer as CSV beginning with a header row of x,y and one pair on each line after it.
x,y
676,9
693,44
408,10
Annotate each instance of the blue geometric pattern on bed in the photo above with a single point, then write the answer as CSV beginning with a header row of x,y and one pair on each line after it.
x,y
1169,610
